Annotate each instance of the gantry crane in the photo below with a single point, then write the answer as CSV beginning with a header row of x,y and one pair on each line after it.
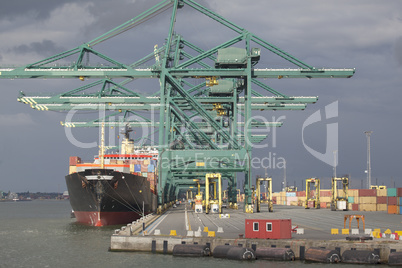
x,y
339,197
230,89
268,197
315,183
214,203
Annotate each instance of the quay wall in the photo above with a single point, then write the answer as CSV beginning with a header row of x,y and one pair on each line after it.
x,y
165,245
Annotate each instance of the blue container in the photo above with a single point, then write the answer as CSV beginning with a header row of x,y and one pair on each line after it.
x,y
351,199
391,192
290,194
151,168
399,200
137,168
399,210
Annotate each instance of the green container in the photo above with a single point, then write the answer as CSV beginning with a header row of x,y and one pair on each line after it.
x,y
391,192
351,199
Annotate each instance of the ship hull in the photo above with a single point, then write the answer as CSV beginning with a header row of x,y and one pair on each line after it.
x,y
101,197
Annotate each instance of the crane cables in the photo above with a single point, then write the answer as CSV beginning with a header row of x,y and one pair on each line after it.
x,y
143,17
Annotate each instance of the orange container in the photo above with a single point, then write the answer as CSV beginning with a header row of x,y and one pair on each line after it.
x,y
392,209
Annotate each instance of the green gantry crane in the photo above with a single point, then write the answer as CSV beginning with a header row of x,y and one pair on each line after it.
x,y
204,127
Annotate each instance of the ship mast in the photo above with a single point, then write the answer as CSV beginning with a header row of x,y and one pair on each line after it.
x,y
102,147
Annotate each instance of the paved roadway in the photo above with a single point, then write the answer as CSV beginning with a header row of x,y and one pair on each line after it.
x,y
317,223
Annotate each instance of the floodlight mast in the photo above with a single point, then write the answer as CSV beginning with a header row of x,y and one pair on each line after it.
x,y
368,134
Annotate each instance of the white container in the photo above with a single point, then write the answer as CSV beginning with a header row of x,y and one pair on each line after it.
x,y
341,204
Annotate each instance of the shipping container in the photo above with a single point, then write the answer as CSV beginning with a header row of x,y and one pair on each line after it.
x,y
290,194
151,168
391,192
144,168
393,209
367,192
393,201
301,193
399,192
325,199
355,207
293,203
381,207
291,198
325,193
382,192
353,192
323,204
137,168
367,200
399,200
368,207
351,199
381,200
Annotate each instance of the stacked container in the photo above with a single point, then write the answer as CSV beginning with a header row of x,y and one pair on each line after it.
x,y
382,200
325,198
392,201
367,199
291,199
399,200
301,198
353,199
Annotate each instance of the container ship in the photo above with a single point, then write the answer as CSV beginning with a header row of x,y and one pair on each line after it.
x,y
115,188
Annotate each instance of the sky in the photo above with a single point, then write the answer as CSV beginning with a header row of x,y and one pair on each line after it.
x,y
361,34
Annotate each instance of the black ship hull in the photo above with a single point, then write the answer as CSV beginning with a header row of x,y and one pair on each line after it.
x,y
102,197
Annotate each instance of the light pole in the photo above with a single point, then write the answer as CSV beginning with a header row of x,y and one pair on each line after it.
x,y
368,133
335,163
284,176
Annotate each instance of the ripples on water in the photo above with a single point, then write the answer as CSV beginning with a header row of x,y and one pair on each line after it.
x,y
41,234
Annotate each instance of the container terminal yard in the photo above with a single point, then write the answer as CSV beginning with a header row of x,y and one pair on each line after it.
x,y
342,230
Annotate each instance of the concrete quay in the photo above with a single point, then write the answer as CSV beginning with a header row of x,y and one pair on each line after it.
x,y
181,225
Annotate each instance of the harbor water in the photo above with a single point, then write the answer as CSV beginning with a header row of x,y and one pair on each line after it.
x,y
42,234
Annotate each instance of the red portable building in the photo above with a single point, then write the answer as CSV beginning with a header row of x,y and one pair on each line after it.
x,y
268,229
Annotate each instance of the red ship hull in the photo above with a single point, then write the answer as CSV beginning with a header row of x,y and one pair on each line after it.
x,y
95,218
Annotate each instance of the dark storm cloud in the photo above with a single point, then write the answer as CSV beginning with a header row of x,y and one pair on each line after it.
x,y
45,48
41,9
398,50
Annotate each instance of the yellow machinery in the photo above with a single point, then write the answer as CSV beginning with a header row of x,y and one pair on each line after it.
x,y
378,187
339,199
234,205
189,194
215,205
268,198
316,198
198,203
290,189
